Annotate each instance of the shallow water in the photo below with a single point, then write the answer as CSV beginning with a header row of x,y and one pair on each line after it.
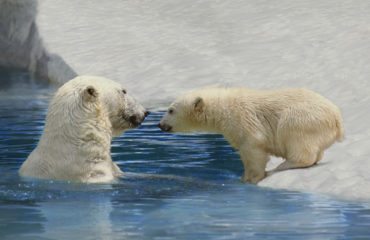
x,y
175,187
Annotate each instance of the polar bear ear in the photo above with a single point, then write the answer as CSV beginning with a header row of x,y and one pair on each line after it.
x,y
198,104
90,94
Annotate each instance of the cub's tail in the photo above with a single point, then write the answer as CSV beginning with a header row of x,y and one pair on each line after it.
x,y
340,128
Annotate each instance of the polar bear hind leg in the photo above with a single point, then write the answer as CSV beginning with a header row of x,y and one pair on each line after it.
x,y
300,155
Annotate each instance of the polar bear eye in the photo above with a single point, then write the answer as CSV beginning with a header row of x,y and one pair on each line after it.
x,y
170,111
124,91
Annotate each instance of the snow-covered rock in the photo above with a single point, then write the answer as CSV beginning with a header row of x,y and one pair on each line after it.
x,y
21,46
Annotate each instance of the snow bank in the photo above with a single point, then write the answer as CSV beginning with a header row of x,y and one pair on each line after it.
x,y
162,48
21,46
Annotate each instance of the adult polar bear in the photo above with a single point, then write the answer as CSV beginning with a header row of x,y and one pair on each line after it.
x,y
82,118
296,124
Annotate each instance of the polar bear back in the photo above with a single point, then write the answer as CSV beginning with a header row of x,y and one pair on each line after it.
x,y
279,113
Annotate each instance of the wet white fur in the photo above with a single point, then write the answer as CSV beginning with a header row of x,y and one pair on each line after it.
x,y
296,124
76,140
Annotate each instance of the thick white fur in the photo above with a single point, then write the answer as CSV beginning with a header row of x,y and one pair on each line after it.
x,y
296,124
82,118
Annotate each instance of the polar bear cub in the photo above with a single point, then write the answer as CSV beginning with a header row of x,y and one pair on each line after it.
x,y
295,124
84,115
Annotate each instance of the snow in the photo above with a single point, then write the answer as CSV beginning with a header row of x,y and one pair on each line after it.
x,y
161,48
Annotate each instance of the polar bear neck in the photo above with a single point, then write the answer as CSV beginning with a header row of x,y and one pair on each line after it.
x,y
223,110
79,134
218,107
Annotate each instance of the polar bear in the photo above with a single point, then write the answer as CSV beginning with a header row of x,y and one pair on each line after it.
x,y
84,115
295,124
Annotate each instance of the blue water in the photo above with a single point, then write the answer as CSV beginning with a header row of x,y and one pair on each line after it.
x,y
177,187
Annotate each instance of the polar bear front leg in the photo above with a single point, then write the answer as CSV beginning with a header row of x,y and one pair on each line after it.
x,y
254,160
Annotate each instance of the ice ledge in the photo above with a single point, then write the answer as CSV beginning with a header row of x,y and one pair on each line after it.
x,y
345,177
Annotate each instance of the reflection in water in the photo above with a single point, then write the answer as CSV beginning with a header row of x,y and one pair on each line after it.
x,y
92,219
18,218
175,187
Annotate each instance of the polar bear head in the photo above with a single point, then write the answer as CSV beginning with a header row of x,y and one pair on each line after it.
x,y
185,114
88,97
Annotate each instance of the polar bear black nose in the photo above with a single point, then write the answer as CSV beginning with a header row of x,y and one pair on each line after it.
x,y
137,119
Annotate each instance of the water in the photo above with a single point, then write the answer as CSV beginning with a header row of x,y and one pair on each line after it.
x,y
176,187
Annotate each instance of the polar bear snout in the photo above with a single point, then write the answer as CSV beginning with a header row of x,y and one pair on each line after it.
x,y
136,120
165,127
